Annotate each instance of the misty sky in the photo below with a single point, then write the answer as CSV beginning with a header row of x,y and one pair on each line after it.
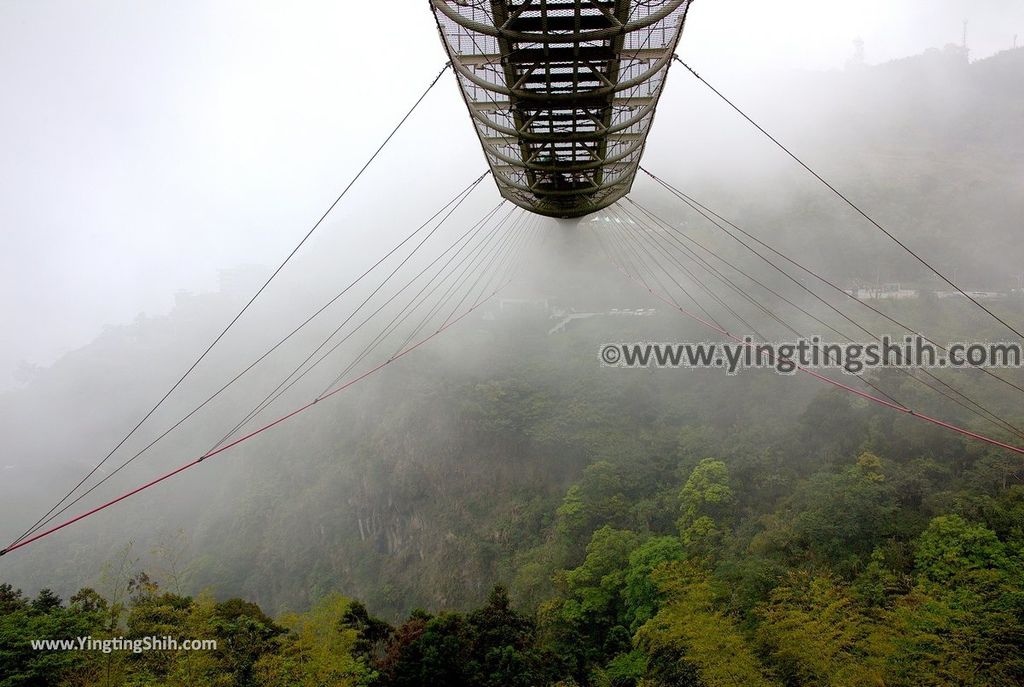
x,y
147,144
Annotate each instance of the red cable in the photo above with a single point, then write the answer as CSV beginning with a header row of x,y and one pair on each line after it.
x,y
823,378
816,375
262,429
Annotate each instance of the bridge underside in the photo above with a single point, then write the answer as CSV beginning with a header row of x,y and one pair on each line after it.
x,y
562,92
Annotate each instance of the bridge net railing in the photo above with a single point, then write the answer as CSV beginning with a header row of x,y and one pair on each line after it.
x,y
562,92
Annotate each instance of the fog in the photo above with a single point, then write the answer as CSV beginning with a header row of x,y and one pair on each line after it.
x,y
161,158
148,145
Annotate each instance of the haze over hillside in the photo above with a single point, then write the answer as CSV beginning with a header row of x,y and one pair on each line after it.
x,y
640,523
927,142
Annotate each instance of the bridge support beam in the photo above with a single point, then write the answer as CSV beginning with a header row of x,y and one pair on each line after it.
x,y
562,92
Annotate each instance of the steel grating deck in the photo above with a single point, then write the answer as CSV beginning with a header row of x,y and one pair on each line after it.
x,y
562,92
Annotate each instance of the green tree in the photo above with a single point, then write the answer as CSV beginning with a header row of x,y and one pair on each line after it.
x,y
594,589
952,549
832,519
706,501
639,593
493,646
816,634
964,621
245,634
44,617
689,628
318,650
504,644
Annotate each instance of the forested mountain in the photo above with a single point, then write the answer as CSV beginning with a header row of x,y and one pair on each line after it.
x,y
499,509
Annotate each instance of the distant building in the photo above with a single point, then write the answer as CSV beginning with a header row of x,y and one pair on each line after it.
x,y
524,305
565,318
562,316
571,317
891,291
976,295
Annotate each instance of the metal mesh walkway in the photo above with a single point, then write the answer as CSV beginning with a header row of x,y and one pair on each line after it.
x,y
562,92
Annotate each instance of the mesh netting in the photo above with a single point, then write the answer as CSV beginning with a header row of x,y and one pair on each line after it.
x,y
562,92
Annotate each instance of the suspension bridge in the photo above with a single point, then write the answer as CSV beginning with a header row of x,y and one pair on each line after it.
x,y
562,92
562,95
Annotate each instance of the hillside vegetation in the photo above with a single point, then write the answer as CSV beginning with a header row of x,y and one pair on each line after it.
x,y
499,510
